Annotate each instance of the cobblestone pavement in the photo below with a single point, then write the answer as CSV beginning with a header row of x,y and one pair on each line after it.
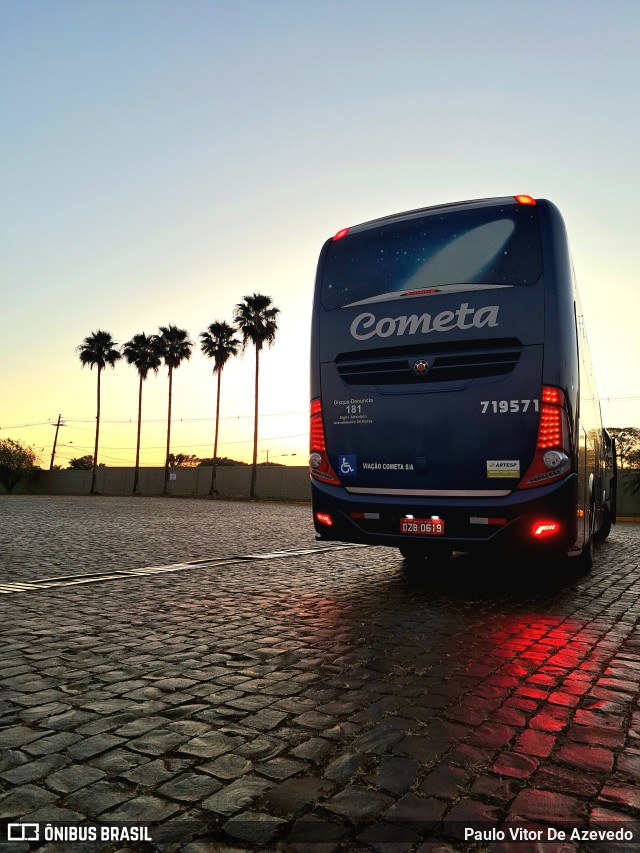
x,y
320,702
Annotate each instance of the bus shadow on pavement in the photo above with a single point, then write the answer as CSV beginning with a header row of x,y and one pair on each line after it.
x,y
491,578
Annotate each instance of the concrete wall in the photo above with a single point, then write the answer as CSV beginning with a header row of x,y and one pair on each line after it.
x,y
285,483
279,483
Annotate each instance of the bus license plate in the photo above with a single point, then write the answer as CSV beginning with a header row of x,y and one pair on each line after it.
x,y
422,526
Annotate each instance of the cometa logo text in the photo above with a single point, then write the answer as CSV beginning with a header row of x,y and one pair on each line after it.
x,y
366,325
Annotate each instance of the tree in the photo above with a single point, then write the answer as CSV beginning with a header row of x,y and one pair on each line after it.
x,y
98,350
175,347
627,446
144,352
16,460
219,344
183,460
81,463
256,320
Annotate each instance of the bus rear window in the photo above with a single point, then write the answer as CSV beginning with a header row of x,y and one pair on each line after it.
x,y
490,245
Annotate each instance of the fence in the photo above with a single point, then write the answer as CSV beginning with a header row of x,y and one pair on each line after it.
x,y
275,482
272,482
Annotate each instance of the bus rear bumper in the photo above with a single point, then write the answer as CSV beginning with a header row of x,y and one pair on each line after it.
x,y
543,518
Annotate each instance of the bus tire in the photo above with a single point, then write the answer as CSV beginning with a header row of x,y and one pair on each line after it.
x,y
605,529
583,563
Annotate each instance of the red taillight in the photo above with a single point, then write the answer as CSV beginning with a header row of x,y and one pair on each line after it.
x,y
341,233
319,464
550,429
324,518
524,199
545,529
316,429
553,435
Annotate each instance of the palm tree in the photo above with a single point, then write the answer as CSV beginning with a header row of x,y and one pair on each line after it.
x,y
219,344
98,350
143,351
256,320
174,347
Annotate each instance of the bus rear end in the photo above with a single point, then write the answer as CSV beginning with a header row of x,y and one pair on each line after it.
x,y
444,381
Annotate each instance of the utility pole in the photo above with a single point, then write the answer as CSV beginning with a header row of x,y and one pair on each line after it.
x,y
55,441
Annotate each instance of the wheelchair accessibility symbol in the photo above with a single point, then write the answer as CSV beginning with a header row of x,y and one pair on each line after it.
x,y
348,465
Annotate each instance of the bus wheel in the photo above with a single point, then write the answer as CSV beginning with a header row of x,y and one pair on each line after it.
x,y
605,529
414,554
583,563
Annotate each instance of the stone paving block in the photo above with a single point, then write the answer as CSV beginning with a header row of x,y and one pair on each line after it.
x,y
495,789
93,746
532,742
628,765
281,768
118,760
52,743
516,765
418,813
264,720
254,827
237,795
388,837
315,749
468,812
549,807
32,771
20,736
445,782
190,787
593,718
627,796
423,750
99,798
589,757
258,748
292,795
358,804
228,766
379,740
53,814
140,726
491,735
70,719
70,779
314,835
150,774
158,741
142,809
24,799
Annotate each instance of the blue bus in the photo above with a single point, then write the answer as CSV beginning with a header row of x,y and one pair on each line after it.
x,y
453,402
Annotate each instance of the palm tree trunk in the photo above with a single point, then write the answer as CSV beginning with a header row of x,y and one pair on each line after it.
x,y
252,492
136,487
166,461
213,490
94,490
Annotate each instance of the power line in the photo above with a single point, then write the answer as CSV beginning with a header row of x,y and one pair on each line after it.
x,y
156,420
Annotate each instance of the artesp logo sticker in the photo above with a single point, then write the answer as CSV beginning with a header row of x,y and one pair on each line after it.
x,y
503,467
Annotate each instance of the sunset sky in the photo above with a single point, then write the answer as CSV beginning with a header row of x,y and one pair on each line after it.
x,y
161,159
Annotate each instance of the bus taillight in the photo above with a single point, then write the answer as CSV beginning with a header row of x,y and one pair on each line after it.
x,y
545,529
319,465
553,447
